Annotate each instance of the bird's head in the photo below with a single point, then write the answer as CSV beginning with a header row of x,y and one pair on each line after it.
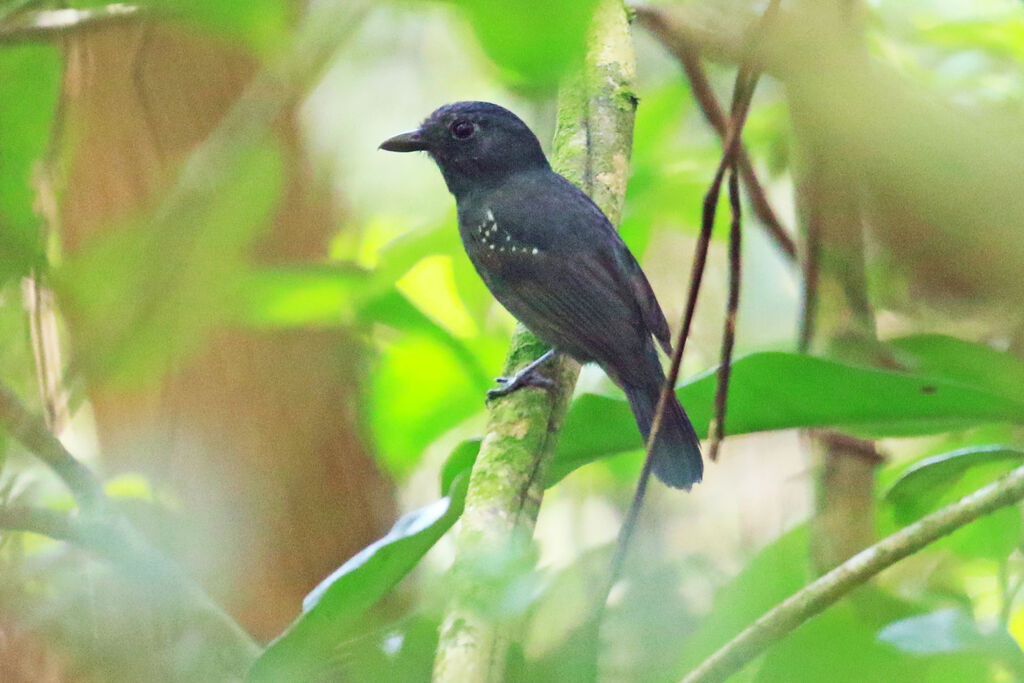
x,y
475,144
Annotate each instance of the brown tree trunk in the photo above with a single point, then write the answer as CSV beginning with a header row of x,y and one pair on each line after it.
x,y
255,439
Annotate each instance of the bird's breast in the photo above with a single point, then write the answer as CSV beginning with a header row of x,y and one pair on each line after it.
x,y
494,246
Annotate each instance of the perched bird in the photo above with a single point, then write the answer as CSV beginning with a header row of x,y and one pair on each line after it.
x,y
551,257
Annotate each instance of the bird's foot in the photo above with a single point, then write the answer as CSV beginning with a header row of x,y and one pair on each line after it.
x,y
527,377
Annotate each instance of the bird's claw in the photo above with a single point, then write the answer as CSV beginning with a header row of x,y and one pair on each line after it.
x,y
527,378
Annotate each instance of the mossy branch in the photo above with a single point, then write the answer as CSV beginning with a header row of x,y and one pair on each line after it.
x,y
592,146
815,597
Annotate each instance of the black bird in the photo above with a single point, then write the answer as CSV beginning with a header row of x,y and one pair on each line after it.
x,y
551,257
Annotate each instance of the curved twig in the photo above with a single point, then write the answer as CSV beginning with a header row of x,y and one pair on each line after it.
x,y
815,597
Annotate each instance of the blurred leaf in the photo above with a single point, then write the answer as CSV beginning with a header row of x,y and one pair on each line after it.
x,y
399,651
147,294
774,390
260,24
300,297
936,481
953,631
1001,37
339,602
841,645
430,284
775,573
668,168
460,460
393,309
533,42
422,385
946,630
29,83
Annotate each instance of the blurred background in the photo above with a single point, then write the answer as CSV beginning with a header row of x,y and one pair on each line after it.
x,y
262,332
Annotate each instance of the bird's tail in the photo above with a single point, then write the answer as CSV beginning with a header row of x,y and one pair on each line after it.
x,y
676,455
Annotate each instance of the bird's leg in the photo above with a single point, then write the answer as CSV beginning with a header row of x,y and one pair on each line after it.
x,y
527,377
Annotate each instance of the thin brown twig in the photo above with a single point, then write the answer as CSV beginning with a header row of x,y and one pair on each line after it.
x,y
811,267
716,430
745,85
689,57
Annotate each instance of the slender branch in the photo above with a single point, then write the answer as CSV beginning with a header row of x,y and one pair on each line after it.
x,y
817,596
101,529
43,521
591,147
31,431
812,271
716,431
54,24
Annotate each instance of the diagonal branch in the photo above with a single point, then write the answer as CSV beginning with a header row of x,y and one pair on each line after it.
x,y
814,598
31,431
100,529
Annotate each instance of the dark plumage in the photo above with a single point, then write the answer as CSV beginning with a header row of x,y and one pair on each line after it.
x,y
551,257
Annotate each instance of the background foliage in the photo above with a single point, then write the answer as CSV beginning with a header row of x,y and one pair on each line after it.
x,y
939,391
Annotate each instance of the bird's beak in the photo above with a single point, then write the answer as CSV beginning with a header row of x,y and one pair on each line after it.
x,y
406,142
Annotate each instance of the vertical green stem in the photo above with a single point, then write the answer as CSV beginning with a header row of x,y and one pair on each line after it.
x,y
592,145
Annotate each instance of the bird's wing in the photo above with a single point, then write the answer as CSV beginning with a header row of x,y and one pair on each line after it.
x,y
653,316
581,304
576,286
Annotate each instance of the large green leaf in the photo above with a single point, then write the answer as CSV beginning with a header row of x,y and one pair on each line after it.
x,y
335,606
973,364
775,390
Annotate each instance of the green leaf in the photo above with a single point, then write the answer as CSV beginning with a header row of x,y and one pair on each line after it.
x,y
775,390
460,460
945,630
259,24
533,42
916,492
842,644
772,575
1001,37
301,297
339,602
941,479
420,384
29,83
956,360
951,636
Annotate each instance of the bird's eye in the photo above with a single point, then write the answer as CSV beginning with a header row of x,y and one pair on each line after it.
x,y
462,129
